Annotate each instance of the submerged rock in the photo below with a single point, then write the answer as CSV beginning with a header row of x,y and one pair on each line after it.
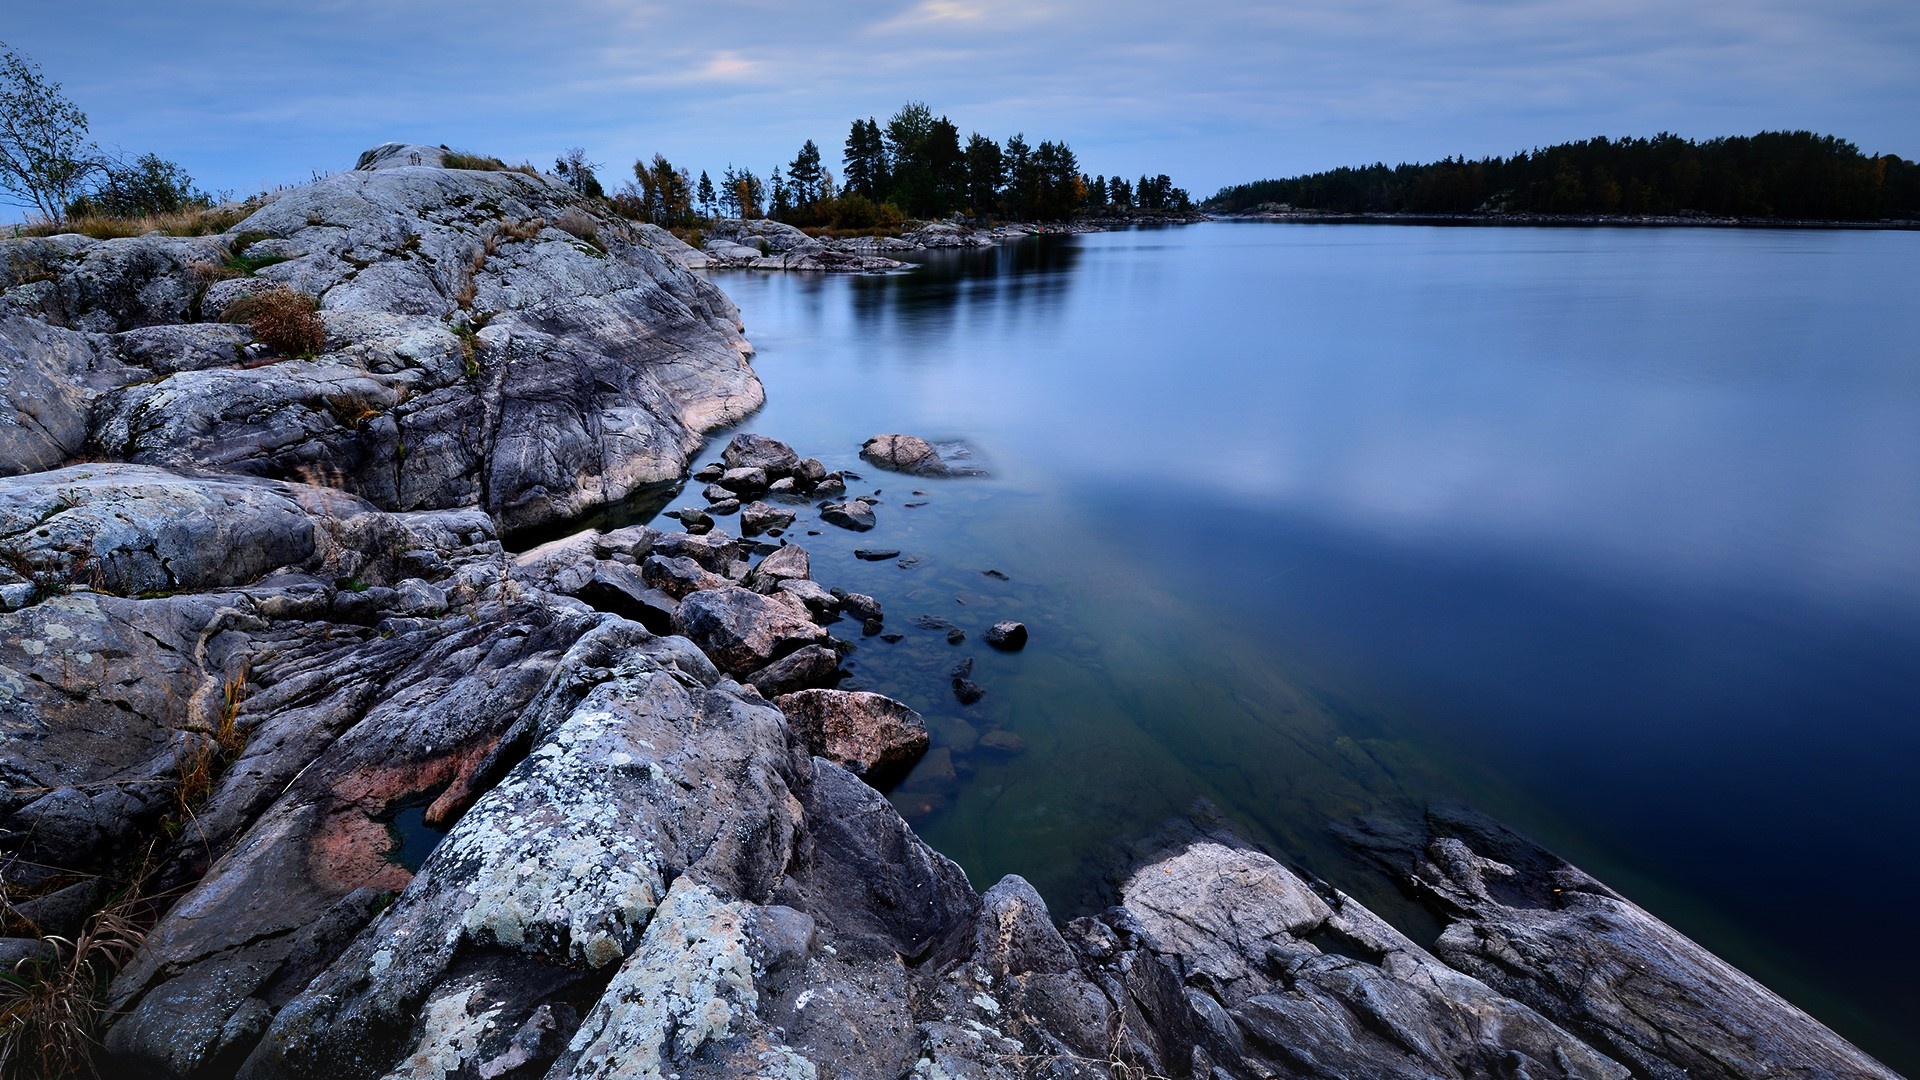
x,y
912,455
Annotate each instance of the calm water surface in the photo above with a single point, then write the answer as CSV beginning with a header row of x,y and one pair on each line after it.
x,y
1612,533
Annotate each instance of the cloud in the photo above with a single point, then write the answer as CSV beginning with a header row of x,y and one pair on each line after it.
x,y
952,15
727,65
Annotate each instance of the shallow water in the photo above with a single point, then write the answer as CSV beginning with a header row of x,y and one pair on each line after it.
x,y
1609,532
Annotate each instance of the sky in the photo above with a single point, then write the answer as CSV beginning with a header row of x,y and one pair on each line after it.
x,y
251,95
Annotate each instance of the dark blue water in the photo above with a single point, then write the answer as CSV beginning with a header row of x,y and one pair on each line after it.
x,y
1613,533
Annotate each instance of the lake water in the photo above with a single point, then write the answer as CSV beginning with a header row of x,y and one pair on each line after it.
x,y
1612,533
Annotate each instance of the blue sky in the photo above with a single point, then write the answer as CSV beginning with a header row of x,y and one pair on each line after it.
x,y
252,94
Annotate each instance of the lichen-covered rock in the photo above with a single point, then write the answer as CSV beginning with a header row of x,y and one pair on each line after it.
x,y
874,736
491,340
1544,932
640,767
1324,982
684,1002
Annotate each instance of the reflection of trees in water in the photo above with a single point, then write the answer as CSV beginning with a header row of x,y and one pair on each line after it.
x,y
1031,276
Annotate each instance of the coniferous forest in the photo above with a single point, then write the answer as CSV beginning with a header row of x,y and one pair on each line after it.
x,y
915,165
1775,174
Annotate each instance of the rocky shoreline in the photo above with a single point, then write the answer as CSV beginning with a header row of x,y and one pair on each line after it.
x,y
257,611
761,244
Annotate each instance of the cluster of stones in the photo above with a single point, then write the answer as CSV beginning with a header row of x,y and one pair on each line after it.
x,y
753,466
764,624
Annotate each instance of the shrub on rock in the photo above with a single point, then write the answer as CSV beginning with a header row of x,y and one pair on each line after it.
x,y
284,318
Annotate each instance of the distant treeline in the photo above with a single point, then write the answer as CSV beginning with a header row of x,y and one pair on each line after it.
x,y
913,166
1778,174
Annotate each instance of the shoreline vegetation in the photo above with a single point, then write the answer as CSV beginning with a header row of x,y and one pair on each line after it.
x,y
1571,221
1773,179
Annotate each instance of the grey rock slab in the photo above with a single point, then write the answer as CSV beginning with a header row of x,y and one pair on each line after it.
x,y
642,767
743,631
770,455
1544,932
49,379
596,366
809,668
874,736
758,517
1249,934
788,562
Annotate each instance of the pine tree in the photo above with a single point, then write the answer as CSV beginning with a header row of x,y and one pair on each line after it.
x,y
807,181
1021,184
909,142
707,203
983,174
780,205
865,161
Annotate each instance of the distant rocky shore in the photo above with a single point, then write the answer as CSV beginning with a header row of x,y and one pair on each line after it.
x,y
761,244
257,622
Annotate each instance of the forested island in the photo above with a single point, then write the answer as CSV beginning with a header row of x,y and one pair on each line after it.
x,y
1783,175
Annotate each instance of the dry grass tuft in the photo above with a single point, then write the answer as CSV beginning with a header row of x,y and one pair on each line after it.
x,y
521,230
50,1005
460,159
189,221
227,735
287,319
580,225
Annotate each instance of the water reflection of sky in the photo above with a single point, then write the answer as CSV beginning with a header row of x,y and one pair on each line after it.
x,y
1622,523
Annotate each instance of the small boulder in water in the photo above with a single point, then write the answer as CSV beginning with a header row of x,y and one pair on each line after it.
x,y
749,451
757,517
904,453
1007,636
852,514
